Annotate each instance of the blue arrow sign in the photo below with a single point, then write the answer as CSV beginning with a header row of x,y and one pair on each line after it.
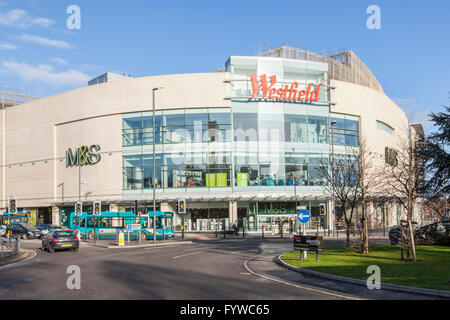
x,y
304,216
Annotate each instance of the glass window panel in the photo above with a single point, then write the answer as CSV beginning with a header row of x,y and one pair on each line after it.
x,y
339,139
132,161
133,178
195,176
148,177
340,123
174,120
220,118
351,125
351,140
147,121
317,129
196,119
295,128
246,175
132,123
147,136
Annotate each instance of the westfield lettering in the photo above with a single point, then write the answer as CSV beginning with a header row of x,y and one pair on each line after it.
x,y
288,93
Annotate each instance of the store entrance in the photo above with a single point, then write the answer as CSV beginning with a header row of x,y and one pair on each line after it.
x,y
207,219
275,224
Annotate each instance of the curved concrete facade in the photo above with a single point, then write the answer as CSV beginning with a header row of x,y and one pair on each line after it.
x,y
36,136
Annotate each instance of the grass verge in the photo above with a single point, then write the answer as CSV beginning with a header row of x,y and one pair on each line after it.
x,y
431,271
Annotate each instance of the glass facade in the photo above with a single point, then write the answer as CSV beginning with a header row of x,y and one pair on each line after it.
x,y
255,144
345,130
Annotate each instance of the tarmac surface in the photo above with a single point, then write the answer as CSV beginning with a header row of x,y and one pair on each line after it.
x,y
206,269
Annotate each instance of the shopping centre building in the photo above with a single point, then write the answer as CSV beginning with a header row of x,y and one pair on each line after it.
x,y
248,141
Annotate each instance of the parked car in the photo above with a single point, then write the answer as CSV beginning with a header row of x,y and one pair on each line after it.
x,y
46,228
60,239
23,230
395,234
2,231
436,233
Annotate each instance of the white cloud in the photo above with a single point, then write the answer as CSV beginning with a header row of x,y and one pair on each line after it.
x,y
21,19
46,74
45,41
60,61
8,46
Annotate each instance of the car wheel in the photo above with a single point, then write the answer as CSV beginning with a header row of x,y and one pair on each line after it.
x,y
75,249
51,250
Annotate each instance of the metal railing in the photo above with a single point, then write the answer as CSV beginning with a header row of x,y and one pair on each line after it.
x,y
8,99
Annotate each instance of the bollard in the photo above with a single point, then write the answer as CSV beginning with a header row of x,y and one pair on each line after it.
x,y
262,232
243,231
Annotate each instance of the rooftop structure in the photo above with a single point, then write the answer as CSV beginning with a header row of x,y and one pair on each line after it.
x,y
107,77
343,66
10,99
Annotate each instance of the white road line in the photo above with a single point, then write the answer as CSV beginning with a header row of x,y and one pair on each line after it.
x,y
189,254
144,252
296,285
250,250
198,248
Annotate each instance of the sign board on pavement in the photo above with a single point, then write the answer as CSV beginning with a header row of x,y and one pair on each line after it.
x,y
308,243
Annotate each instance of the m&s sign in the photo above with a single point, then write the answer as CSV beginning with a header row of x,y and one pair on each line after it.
x,y
83,156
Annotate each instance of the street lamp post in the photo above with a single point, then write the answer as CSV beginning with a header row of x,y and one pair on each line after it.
x,y
154,166
332,175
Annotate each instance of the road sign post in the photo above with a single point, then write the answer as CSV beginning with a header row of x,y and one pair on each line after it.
x,y
308,243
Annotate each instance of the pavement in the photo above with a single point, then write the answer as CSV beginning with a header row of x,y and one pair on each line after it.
x,y
213,269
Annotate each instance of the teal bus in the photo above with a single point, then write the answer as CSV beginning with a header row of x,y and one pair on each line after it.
x,y
8,218
109,224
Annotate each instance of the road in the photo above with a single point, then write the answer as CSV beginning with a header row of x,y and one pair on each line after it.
x,y
205,270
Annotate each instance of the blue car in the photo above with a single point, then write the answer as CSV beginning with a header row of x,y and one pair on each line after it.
x,y
46,228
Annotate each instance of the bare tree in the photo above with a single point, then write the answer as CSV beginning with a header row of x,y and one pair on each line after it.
x,y
438,206
350,178
402,179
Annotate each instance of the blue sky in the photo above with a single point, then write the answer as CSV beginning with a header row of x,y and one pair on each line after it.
x,y
410,55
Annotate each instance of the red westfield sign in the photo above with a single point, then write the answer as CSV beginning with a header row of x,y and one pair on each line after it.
x,y
288,93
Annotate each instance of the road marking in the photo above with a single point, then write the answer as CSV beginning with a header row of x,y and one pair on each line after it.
x,y
198,248
250,250
139,253
296,285
189,254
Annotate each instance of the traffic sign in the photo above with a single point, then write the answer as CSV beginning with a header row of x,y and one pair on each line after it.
x,y
304,216
133,227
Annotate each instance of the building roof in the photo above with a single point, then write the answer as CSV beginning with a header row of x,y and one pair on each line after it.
x,y
343,66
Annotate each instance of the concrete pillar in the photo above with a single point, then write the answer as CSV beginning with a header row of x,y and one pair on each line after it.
x,y
330,215
232,212
56,217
